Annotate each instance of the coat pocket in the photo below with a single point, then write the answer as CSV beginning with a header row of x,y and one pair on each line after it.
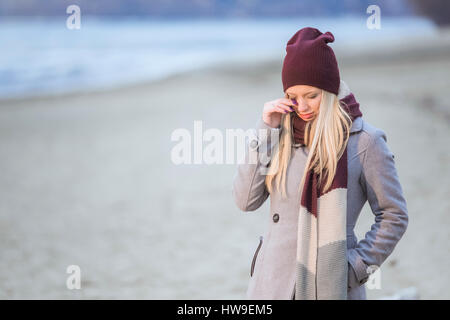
x,y
352,281
256,255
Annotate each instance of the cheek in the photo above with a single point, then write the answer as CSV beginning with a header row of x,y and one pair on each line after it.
x,y
315,104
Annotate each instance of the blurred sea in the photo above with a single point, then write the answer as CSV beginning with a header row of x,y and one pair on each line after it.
x,y
42,56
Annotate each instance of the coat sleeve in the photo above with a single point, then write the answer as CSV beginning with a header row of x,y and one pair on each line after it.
x,y
381,184
249,189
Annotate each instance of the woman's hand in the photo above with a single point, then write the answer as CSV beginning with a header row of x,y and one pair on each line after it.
x,y
274,109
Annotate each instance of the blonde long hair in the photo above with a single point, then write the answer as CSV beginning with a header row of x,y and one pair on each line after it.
x,y
326,137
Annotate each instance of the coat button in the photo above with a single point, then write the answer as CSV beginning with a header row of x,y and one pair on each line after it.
x,y
253,144
276,217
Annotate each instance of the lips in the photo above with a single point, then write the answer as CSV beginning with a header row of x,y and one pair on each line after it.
x,y
306,115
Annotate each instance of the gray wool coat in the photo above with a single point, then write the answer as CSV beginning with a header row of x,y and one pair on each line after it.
x,y
372,177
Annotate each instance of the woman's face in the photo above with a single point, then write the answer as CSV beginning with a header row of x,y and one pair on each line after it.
x,y
308,100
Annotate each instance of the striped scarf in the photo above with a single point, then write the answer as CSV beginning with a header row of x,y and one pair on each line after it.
x,y
321,264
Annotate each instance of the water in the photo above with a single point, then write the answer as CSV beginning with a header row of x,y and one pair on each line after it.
x,y
44,57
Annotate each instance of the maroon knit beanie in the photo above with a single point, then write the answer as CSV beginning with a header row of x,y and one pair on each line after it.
x,y
310,61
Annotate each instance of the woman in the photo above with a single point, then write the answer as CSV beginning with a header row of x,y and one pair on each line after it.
x,y
320,162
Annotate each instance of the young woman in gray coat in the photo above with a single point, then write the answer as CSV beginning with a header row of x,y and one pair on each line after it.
x,y
308,133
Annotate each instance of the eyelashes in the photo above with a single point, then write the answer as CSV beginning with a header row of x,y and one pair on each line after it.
x,y
312,97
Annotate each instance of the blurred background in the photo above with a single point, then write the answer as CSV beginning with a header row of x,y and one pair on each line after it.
x,y
87,114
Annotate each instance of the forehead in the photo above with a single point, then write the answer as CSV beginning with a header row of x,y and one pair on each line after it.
x,y
300,89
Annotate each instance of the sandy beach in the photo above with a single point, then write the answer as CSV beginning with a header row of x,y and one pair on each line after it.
x,y
87,180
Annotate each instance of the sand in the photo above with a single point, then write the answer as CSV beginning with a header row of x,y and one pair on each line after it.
x,y
87,180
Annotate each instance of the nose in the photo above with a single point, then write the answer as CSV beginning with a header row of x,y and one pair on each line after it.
x,y
302,106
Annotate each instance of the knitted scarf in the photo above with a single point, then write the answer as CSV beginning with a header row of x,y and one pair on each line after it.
x,y
321,263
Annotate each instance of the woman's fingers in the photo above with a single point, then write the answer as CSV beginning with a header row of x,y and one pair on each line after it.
x,y
278,109
283,108
273,109
282,105
287,101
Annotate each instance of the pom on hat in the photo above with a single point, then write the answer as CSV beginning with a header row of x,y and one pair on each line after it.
x,y
328,37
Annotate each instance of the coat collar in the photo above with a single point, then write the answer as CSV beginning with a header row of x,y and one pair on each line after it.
x,y
356,125
344,91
